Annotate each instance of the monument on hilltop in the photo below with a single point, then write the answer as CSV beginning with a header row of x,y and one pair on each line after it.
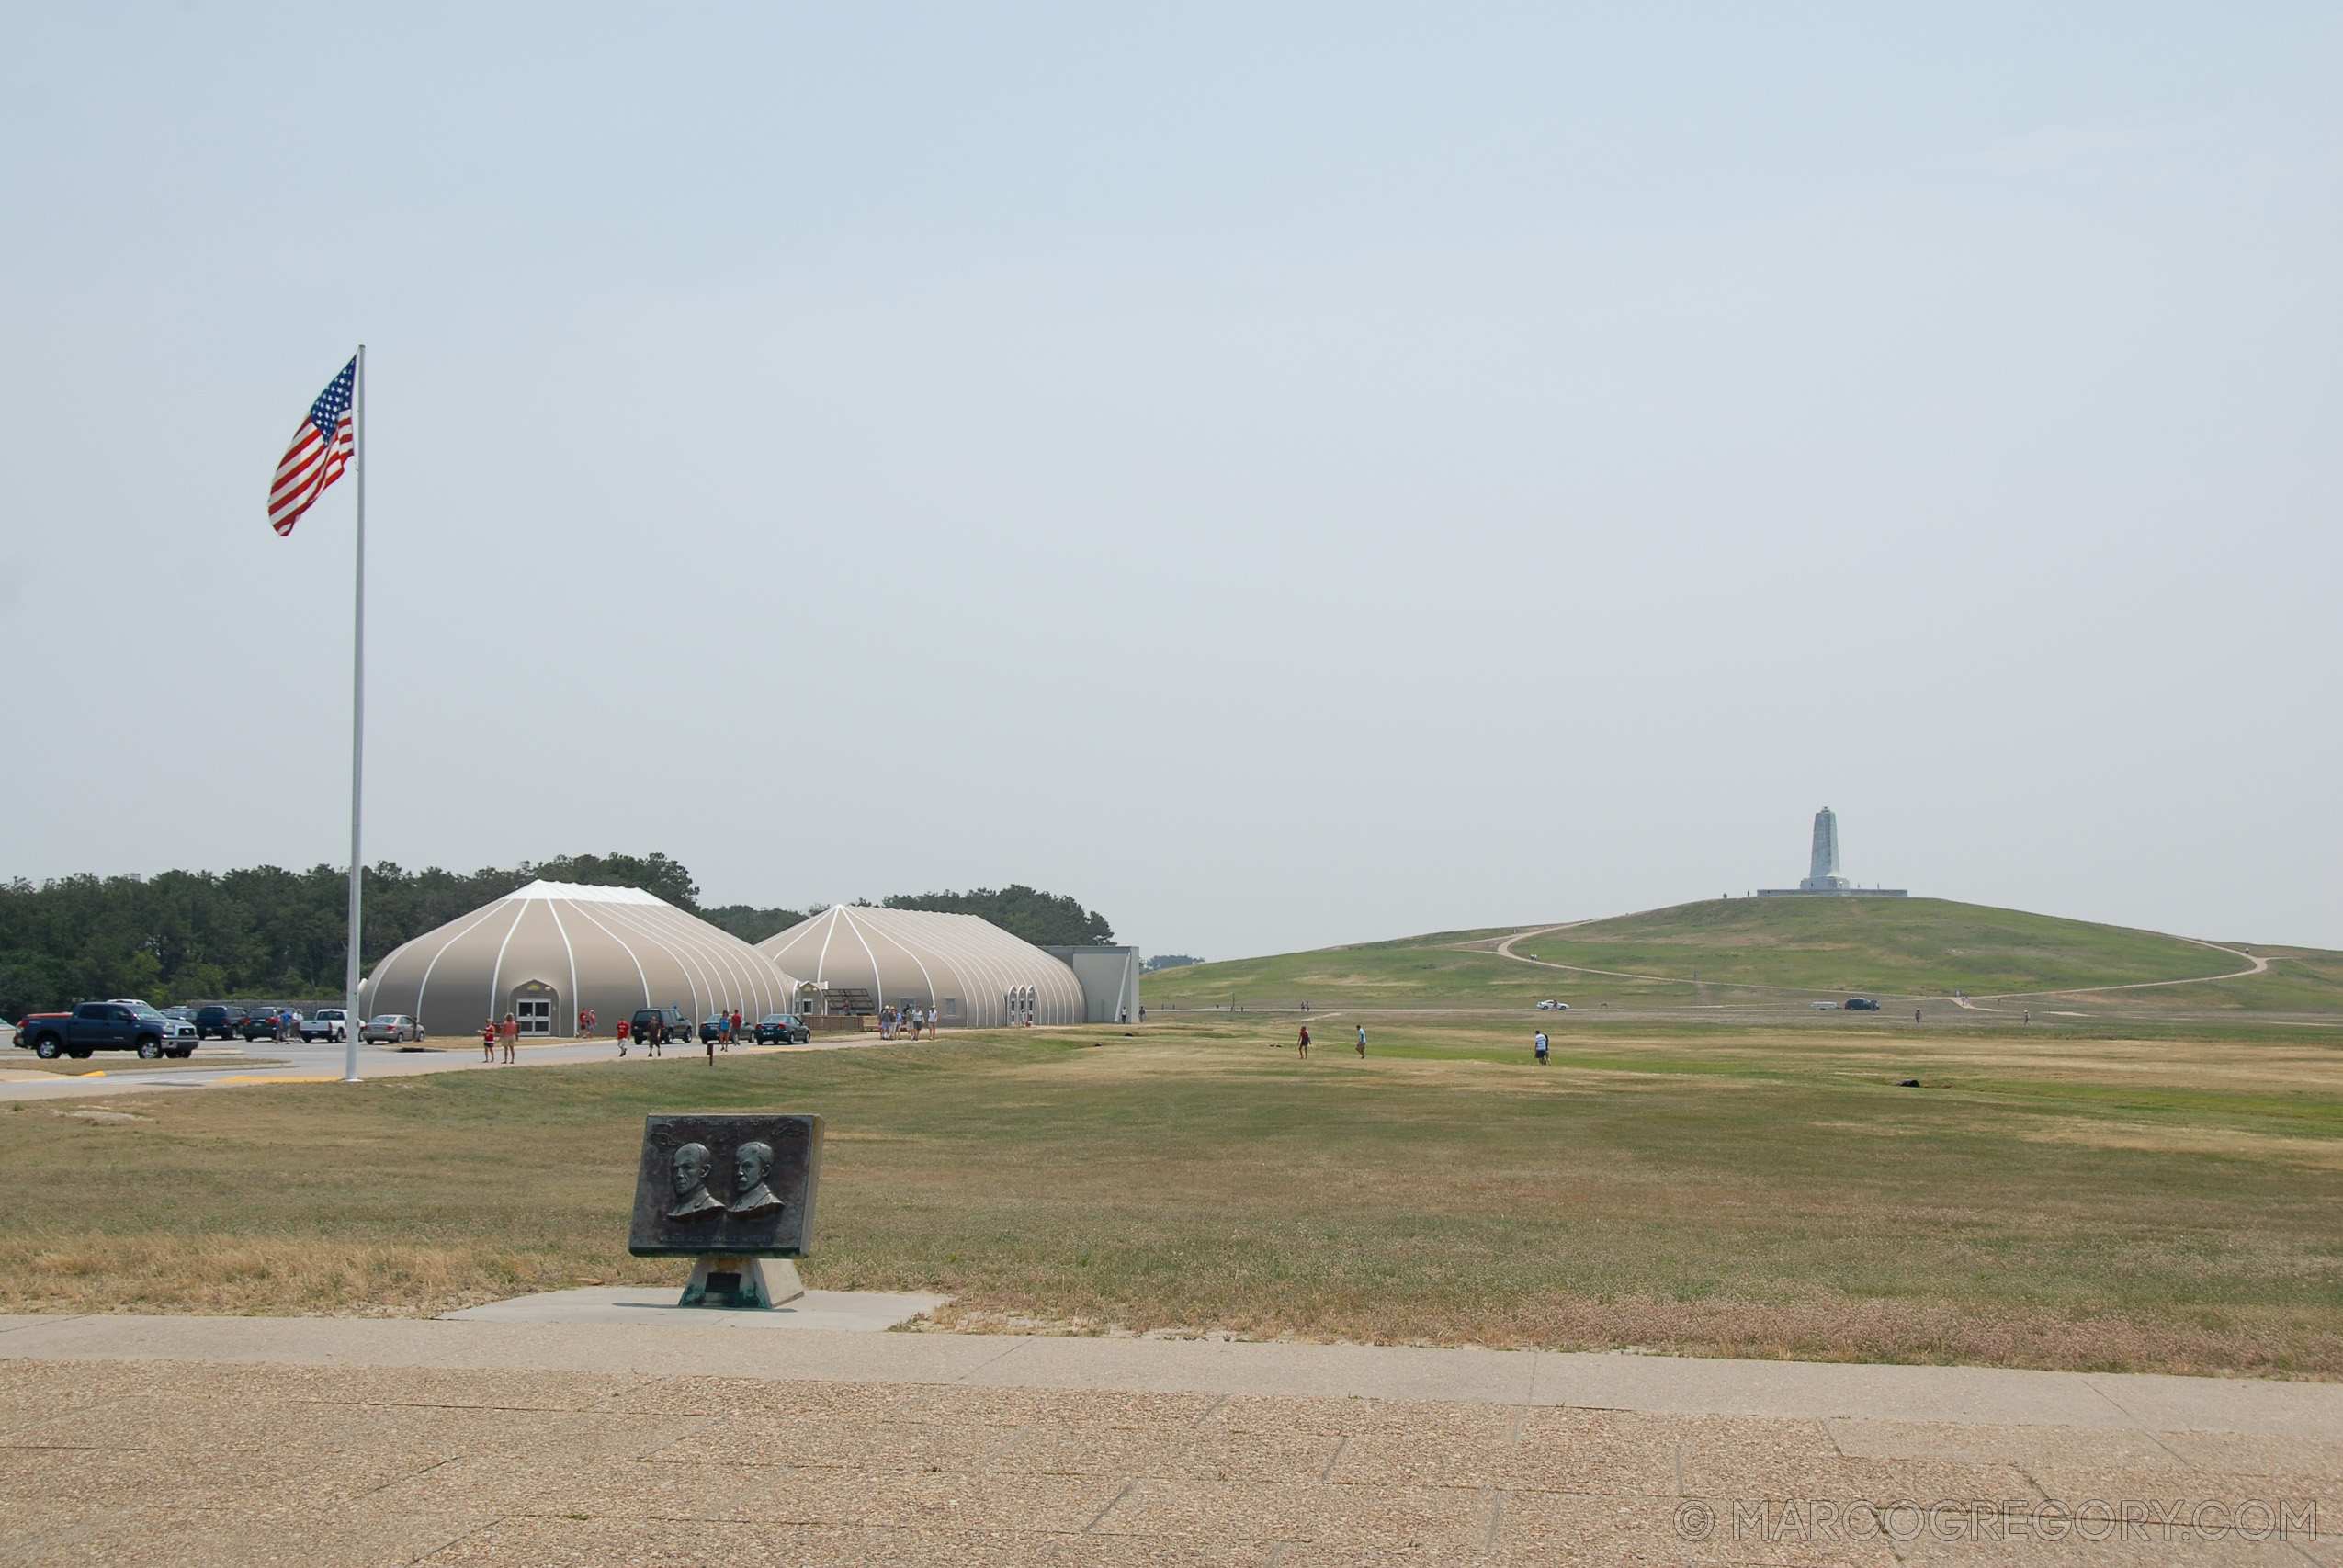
x,y
1822,872
1823,877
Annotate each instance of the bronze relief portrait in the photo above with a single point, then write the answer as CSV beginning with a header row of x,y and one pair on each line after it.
x,y
720,1184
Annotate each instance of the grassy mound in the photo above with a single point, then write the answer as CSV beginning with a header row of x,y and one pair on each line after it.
x,y
1742,949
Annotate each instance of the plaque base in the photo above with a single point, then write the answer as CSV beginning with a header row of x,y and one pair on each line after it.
x,y
742,1284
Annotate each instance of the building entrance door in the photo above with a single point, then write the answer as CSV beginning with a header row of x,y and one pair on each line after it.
x,y
534,1015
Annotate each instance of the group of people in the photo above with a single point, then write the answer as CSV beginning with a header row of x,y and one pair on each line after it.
x,y
894,1021
653,1036
1303,1046
494,1034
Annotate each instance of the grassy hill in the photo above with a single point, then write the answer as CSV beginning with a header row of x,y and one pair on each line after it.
x,y
1740,949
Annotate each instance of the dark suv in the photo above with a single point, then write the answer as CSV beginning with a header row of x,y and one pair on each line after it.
x,y
647,1024
225,1022
269,1024
1861,1004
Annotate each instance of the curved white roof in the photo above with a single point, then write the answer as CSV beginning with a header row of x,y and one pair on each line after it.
x,y
612,949
928,959
583,893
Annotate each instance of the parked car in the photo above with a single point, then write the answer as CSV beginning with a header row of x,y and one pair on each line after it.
x,y
391,1028
180,1036
1824,1007
267,1023
221,1019
712,1026
1861,1004
782,1029
98,1026
650,1022
325,1023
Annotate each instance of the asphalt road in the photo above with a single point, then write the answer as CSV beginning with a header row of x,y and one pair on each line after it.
x,y
213,1065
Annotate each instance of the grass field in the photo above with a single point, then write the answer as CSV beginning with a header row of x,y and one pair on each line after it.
x,y
2159,1199
1750,948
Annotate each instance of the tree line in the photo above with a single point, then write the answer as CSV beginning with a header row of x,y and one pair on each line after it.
x,y
268,933
265,932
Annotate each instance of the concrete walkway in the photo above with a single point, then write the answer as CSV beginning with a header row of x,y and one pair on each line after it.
x,y
624,1306
326,1442
685,1344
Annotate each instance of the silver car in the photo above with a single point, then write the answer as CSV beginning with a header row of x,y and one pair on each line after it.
x,y
391,1028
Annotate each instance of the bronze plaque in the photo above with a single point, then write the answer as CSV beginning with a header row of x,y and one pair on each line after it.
x,y
735,1186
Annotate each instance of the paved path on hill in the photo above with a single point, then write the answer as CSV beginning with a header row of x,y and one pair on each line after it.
x,y
327,1442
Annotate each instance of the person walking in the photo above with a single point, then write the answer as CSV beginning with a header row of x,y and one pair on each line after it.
x,y
621,1032
585,1024
488,1041
1362,1042
657,1037
1540,1047
724,1032
1305,1043
736,1026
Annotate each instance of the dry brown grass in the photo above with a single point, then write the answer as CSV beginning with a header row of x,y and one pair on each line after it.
x,y
2065,1201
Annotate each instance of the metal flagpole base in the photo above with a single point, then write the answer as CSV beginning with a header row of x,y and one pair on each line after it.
x,y
750,1284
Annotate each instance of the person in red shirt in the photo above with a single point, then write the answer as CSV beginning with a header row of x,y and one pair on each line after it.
x,y
585,1024
736,1024
624,1025
488,1039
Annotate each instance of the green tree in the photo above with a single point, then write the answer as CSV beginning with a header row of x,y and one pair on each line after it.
x,y
1045,920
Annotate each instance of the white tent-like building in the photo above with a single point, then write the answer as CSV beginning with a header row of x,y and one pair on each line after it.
x,y
548,950
973,974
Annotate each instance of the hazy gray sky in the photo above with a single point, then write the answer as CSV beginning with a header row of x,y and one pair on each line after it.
x,y
1284,476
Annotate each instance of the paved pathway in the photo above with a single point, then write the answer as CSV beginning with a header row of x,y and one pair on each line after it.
x,y
324,1441
120,1073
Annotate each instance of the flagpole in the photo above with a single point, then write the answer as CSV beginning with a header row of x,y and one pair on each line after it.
x,y
352,1023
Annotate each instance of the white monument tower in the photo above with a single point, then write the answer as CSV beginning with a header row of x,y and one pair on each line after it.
x,y
1823,876
1822,871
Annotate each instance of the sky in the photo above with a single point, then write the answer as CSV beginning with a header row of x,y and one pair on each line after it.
x,y
1283,475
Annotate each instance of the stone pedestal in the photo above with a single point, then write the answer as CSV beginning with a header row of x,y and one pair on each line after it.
x,y
742,1284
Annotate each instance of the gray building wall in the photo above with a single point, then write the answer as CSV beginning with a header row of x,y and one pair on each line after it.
x,y
1109,977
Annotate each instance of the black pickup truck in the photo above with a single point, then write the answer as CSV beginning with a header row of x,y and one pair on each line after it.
x,y
98,1026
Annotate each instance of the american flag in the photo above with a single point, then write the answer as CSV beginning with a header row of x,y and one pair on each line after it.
x,y
321,450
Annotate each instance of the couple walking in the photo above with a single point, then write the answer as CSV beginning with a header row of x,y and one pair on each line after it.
x,y
1305,1046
